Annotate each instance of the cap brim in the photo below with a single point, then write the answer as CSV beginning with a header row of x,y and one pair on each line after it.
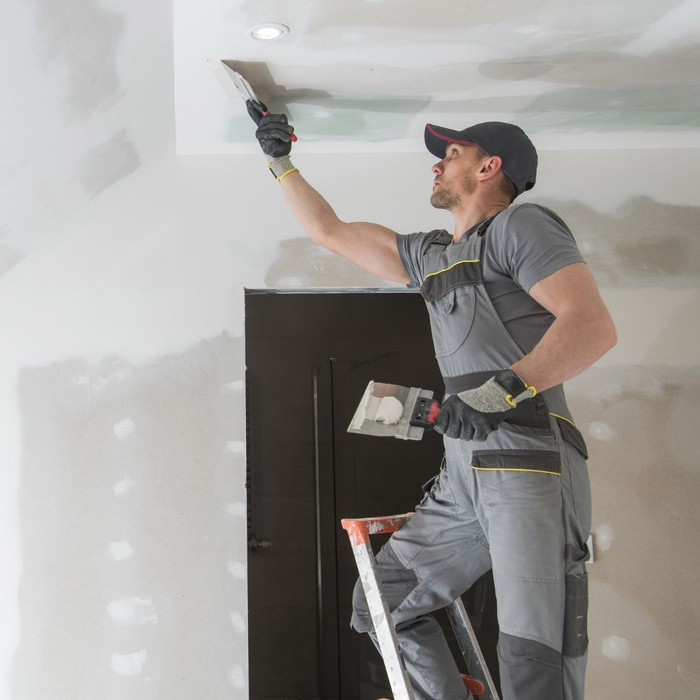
x,y
437,138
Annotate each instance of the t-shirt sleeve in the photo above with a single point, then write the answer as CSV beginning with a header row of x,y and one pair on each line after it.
x,y
412,249
531,244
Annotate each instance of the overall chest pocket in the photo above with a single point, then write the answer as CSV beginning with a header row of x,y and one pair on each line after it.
x,y
452,318
450,294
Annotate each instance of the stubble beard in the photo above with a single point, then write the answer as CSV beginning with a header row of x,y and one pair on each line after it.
x,y
446,199
443,199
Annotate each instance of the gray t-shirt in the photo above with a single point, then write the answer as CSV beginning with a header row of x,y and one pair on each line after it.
x,y
524,244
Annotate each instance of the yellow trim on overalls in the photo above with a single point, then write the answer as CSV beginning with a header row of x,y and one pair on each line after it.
x,y
500,469
556,415
459,262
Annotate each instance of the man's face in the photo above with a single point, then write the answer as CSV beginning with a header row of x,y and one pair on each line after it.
x,y
455,176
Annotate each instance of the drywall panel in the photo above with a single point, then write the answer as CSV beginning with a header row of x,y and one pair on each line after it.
x,y
366,75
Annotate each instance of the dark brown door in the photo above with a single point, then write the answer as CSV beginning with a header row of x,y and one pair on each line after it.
x,y
309,358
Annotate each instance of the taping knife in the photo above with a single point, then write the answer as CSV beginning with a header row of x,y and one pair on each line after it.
x,y
391,410
245,90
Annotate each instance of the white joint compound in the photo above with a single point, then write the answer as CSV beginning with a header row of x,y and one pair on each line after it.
x,y
389,411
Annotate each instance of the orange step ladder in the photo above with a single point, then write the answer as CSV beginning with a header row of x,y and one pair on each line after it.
x,y
479,682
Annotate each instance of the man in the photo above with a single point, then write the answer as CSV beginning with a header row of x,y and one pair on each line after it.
x,y
514,312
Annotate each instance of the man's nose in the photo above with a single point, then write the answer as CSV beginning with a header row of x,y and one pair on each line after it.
x,y
437,169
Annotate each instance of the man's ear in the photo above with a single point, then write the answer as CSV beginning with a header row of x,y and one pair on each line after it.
x,y
490,168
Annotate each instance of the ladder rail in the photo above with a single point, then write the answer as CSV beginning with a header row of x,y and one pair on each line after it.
x,y
468,643
383,625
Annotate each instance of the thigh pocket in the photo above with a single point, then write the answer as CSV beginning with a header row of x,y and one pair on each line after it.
x,y
534,461
515,448
576,615
576,611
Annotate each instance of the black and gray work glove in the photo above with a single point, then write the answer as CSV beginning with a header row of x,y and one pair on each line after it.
x,y
476,413
457,419
274,132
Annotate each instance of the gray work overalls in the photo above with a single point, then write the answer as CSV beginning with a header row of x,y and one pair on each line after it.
x,y
518,503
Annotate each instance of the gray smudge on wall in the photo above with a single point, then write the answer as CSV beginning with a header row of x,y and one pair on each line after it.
x,y
302,263
643,244
108,163
114,453
83,36
673,66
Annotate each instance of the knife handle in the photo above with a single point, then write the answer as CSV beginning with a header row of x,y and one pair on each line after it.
x,y
424,413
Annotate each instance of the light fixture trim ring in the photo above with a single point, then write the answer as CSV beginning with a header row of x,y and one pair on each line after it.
x,y
282,28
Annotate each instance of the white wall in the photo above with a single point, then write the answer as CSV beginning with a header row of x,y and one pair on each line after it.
x,y
122,501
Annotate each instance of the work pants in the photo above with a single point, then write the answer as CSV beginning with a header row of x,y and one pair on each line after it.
x,y
531,528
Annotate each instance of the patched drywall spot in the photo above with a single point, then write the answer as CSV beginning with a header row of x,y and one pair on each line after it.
x,y
616,648
132,612
237,570
601,431
604,536
310,265
238,622
643,244
130,533
82,38
119,551
128,664
237,510
123,485
124,428
107,164
237,677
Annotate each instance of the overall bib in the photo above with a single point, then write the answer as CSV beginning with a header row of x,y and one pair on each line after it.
x,y
518,503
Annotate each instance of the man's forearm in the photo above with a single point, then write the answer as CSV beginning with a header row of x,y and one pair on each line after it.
x,y
310,209
571,345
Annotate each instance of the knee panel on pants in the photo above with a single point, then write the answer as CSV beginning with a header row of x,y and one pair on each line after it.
x,y
529,670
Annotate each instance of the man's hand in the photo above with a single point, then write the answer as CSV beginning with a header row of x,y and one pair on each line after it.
x,y
476,413
458,419
274,133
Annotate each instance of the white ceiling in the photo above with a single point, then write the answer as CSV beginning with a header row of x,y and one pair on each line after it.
x,y
366,75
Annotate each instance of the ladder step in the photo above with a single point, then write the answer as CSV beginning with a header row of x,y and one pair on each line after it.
x,y
360,529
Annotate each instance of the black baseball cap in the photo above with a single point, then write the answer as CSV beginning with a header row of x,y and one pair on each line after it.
x,y
507,141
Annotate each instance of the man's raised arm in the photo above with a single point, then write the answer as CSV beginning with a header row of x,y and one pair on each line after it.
x,y
371,246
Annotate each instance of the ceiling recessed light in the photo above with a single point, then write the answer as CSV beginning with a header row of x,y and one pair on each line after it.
x,y
269,31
